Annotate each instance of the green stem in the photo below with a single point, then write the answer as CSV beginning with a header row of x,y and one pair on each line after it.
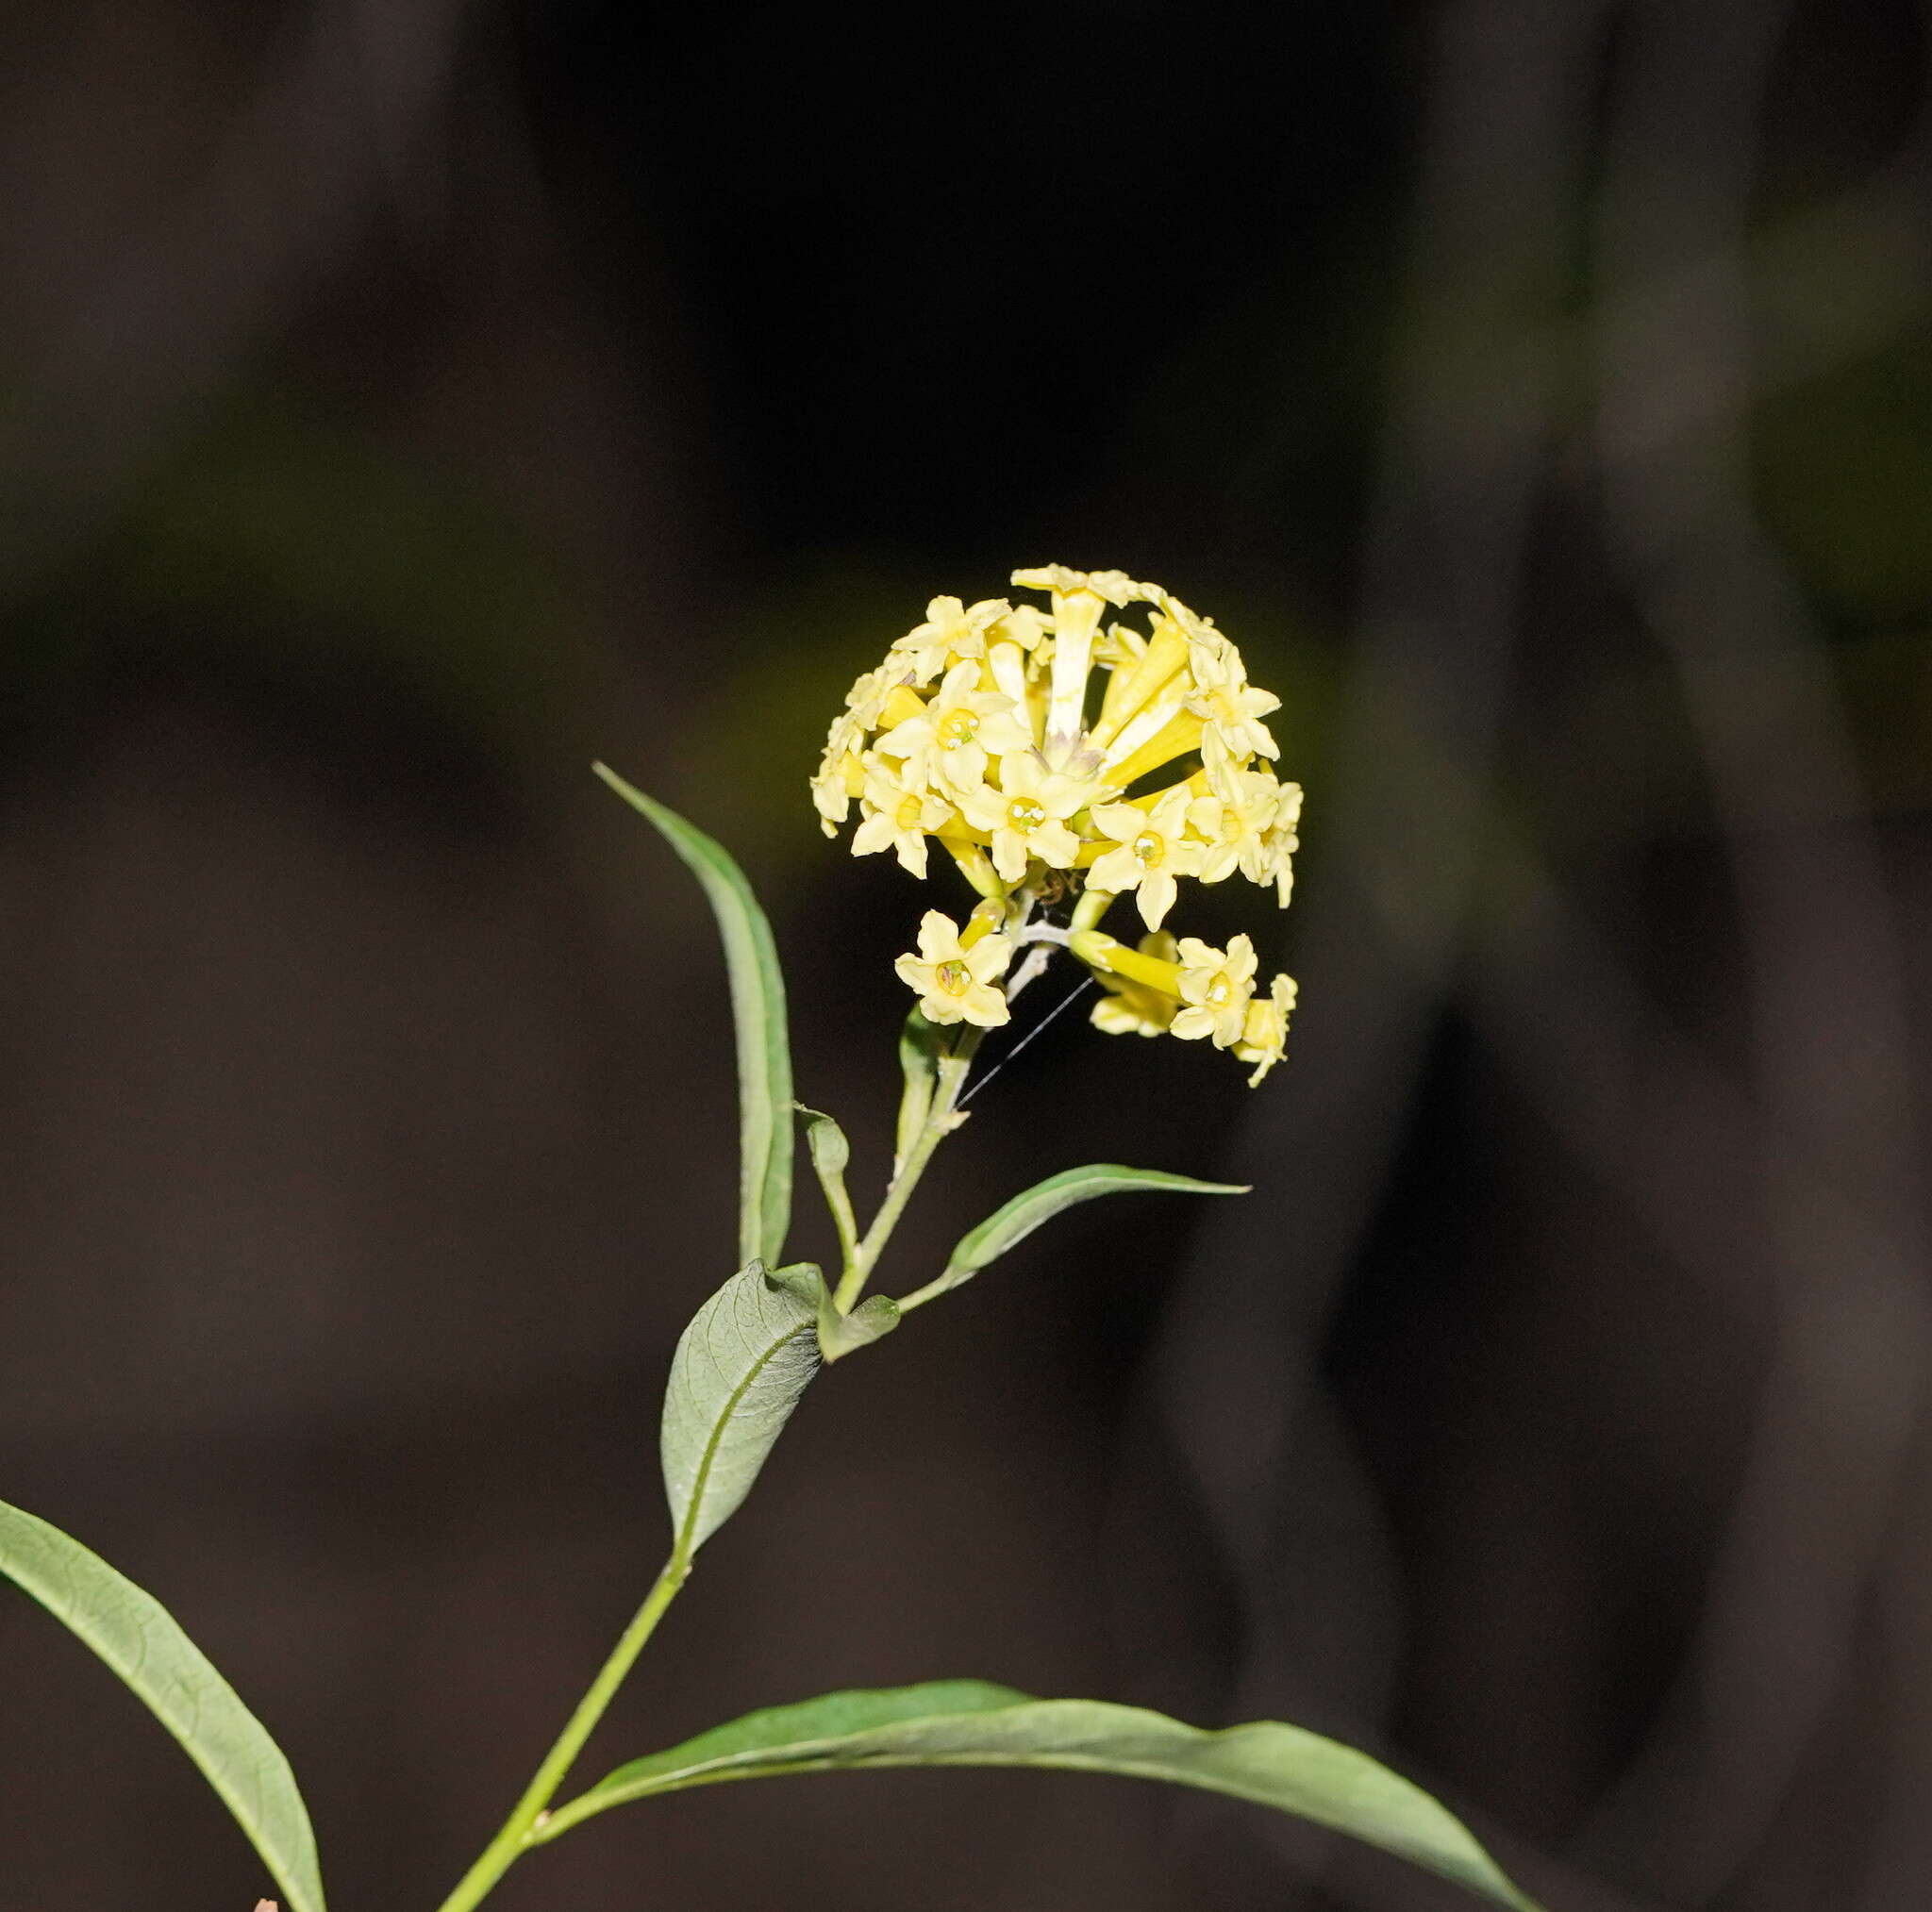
x,y
940,1285
513,1841
938,1123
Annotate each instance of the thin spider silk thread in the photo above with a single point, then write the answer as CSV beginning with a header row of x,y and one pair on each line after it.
x,y
1078,990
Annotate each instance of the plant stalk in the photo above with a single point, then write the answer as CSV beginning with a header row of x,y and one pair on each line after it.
x,y
514,1840
940,1122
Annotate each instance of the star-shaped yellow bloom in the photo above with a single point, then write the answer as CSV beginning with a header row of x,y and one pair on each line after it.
x,y
1228,705
955,983
950,633
1264,1029
898,815
839,772
1216,987
949,739
1026,816
1235,825
1151,850
1280,841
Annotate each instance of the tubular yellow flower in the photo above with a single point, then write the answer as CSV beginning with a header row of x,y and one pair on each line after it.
x,y
956,982
1280,842
840,769
1227,702
899,815
1138,1008
950,633
1080,599
866,700
949,739
1111,956
1026,815
1216,987
1236,826
1264,1029
1150,849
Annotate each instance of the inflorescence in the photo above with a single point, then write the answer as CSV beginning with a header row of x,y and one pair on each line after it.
x,y
982,731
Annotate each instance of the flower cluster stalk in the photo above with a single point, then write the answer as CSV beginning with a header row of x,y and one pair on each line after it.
x,y
942,1118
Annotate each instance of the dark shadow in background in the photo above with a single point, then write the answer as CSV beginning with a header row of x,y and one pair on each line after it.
x,y
403,404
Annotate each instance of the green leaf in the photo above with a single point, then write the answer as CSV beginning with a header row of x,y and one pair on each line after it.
x,y
871,1321
1010,1225
737,1373
758,1010
965,1723
136,1636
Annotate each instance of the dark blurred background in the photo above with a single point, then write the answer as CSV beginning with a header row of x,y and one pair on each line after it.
x,y
403,402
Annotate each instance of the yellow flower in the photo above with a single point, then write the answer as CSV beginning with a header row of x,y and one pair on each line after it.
x,y
1279,843
866,700
839,772
950,633
899,815
1235,825
955,983
1229,706
1215,989
949,739
1131,1008
1017,649
1150,849
1012,735
1079,597
1024,624
1116,587
1026,815
1264,1029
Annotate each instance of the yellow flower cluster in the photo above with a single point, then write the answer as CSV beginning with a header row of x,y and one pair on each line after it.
x,y
1029,743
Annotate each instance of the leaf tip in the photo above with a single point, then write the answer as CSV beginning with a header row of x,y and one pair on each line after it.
x,y
871,1321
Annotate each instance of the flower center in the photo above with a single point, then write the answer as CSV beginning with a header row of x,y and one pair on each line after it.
x,y
1220,989
908,813
958,728
1025,814
1148,848
954,978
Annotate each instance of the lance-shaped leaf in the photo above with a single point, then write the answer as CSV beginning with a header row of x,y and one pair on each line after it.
x,y
968,1722
737,1373
1010,1225
136,1636
757,1010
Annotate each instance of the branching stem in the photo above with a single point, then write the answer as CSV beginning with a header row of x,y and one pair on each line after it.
x,y
940,1120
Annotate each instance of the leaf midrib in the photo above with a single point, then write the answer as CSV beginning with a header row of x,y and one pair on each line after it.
x,y
701,1478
